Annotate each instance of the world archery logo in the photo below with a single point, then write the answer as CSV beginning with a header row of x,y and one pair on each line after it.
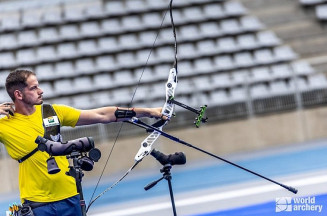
x,y
283,204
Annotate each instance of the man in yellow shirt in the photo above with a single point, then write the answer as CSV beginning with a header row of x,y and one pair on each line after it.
x,y
19,129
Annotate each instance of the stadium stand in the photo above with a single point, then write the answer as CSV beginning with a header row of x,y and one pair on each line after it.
x,y
83,48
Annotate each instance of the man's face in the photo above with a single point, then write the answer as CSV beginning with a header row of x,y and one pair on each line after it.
x,y
32,93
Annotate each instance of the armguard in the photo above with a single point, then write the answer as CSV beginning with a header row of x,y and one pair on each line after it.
x,y
119,113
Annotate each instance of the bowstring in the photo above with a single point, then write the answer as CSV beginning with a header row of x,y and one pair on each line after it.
x,y
122,123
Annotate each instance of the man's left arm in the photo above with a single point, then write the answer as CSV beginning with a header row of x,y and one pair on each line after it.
x,y
107,115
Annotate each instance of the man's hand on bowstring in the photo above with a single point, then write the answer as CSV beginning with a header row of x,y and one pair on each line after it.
x,y
7,109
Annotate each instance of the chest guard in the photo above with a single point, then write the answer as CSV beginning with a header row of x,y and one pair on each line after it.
x,y
51,125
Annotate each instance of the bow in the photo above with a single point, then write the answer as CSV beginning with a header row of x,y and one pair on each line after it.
x,y
167,110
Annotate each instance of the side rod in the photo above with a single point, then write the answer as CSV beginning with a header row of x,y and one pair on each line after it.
x,y
137,122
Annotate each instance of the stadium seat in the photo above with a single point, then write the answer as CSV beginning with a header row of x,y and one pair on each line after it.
x,y
193,13
103,81
48,90
11,21
126,59
221,80
102,98
243,59
73,12
67,50
264,56
207,47
52,15
234,8
64,69
203,65
214,11
7,59
240,77
259,91
46,53
84,66
210,29
227,44
238,94
111,26
187,51
230,26
90,29
48,34
151,20
219,97
280,71
27,38
105,63
83,101
128,41
321,12
26,57
87,47
284,53
279,88
44,71
63,87
203,83
8,41
124,77
114,7
302,67
82,84
317,81
107,44
247,41
250,23
268,38
224,62
260,74
32,17
69,31
131,23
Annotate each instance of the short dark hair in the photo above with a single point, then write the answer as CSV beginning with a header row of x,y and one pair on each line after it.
x,y
16,80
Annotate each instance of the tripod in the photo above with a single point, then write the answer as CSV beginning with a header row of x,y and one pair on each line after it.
x,y
76,172
166,175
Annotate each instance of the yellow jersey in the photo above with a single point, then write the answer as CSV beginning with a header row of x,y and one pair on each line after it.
x,y
18,134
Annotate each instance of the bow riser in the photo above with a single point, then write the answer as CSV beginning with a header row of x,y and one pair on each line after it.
x,y
167,110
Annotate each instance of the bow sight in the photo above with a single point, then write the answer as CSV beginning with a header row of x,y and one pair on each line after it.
x,y
200,113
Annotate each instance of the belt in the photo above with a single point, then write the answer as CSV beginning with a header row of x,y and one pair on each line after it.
x,y
34,205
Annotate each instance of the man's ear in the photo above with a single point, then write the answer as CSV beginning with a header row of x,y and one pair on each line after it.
x,y
18,95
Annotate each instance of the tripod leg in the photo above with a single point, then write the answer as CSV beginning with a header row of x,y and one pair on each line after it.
x,y
171,195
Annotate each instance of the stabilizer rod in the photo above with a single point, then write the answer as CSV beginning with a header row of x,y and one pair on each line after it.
x,y
137,122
